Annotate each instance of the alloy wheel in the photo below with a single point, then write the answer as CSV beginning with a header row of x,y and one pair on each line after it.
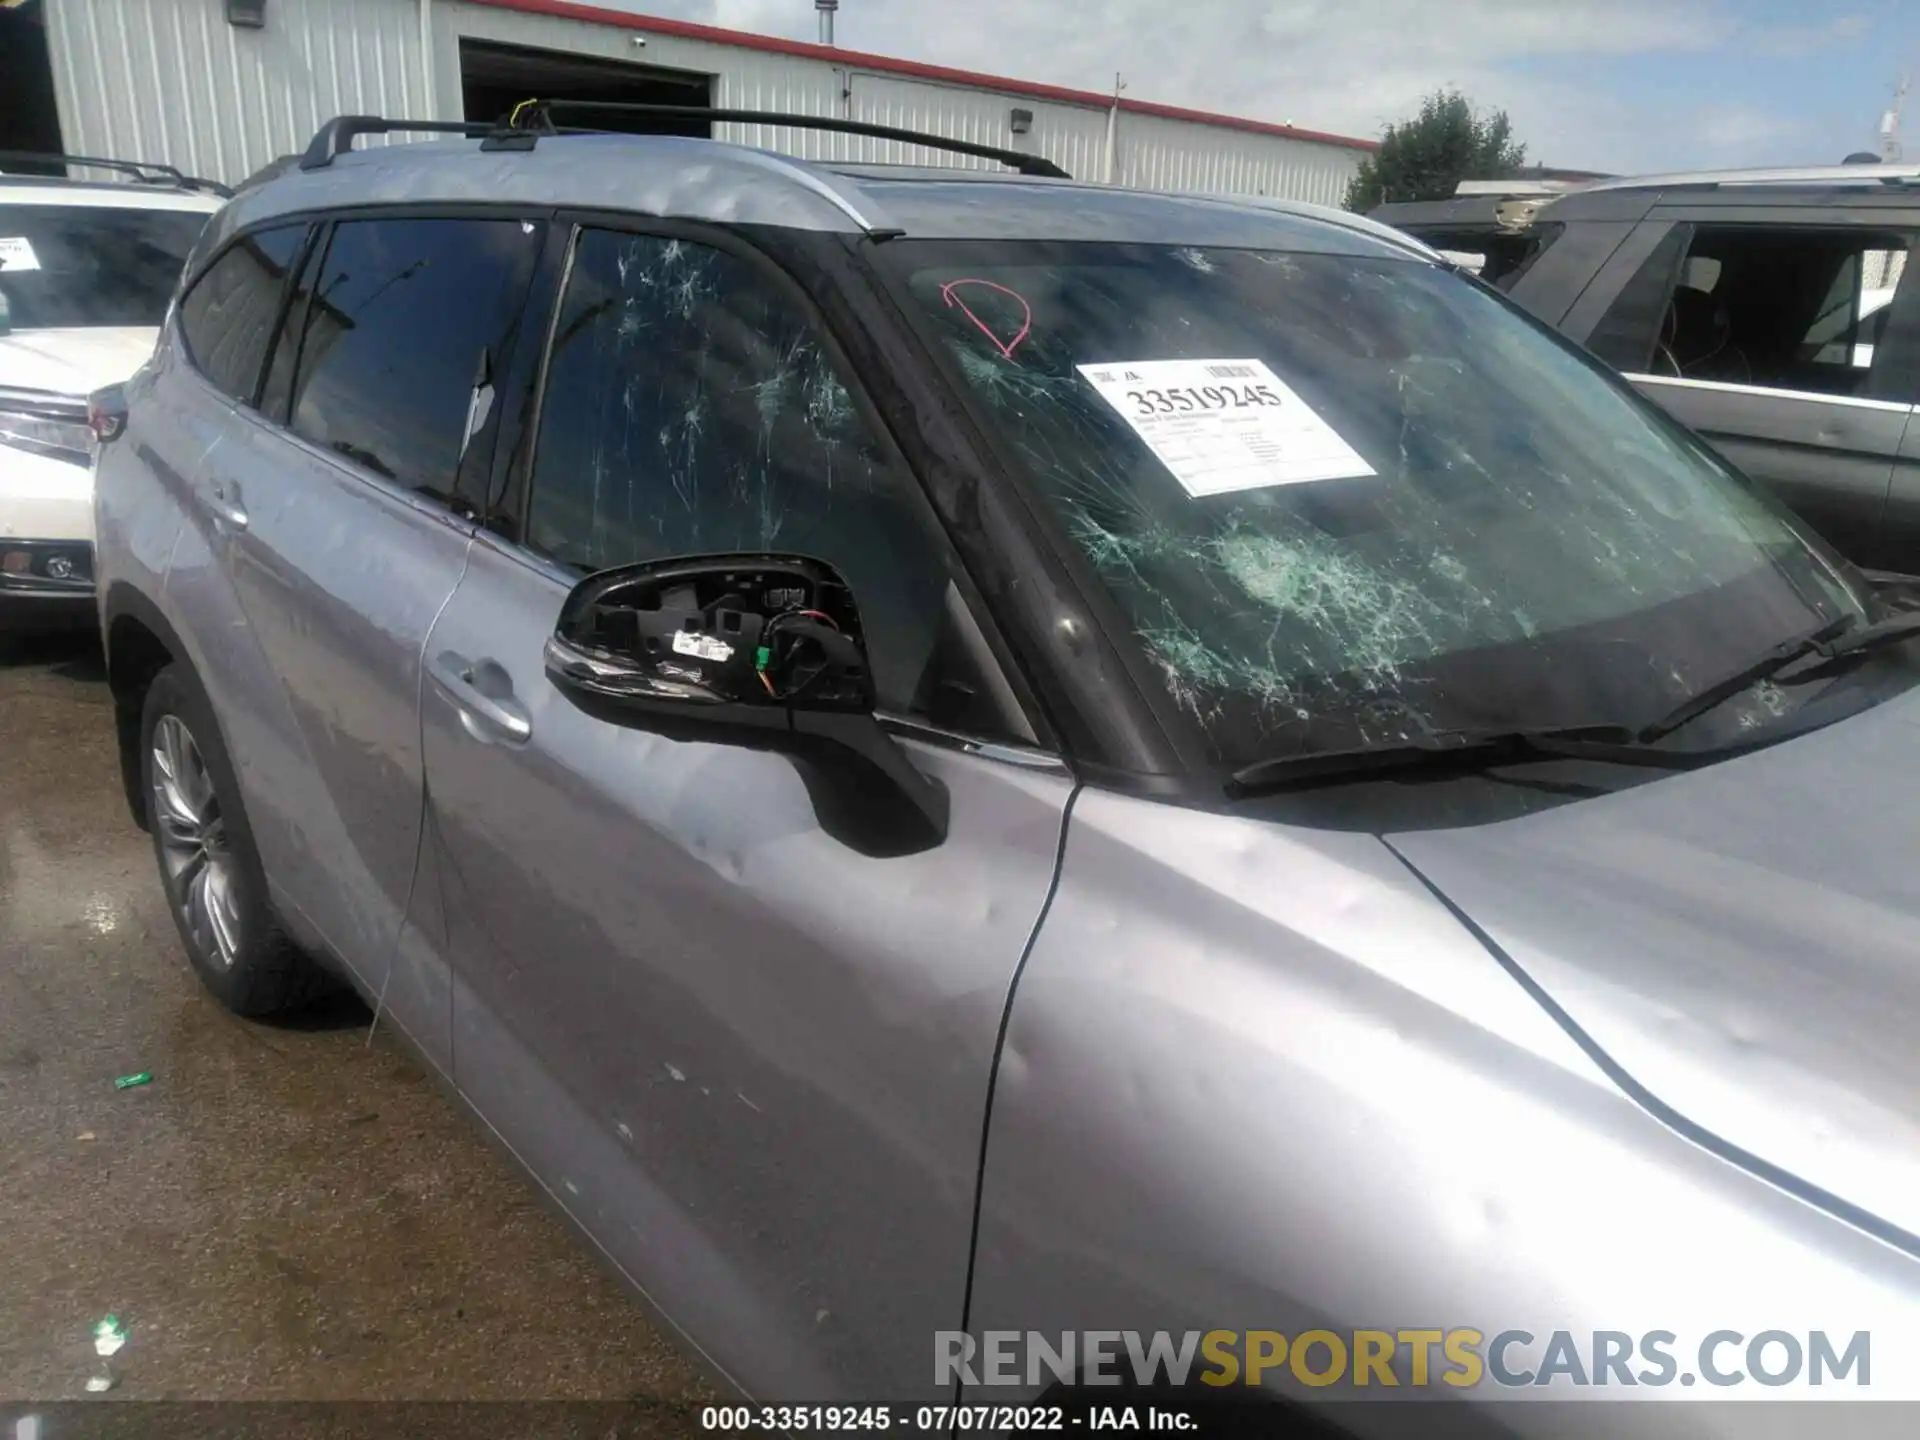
x,y
193,841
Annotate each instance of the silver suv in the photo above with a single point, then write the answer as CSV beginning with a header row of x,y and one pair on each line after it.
x,y
942,752
1773,311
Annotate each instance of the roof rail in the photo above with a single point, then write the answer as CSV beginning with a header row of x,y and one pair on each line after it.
x,y
1518,188
1859,174
336,137
522,134
143,171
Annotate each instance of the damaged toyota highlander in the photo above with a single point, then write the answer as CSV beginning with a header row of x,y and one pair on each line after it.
x,y
940,750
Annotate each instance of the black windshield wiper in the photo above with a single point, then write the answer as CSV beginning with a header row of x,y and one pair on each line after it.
x,y
1829,642
1459,750
1890,631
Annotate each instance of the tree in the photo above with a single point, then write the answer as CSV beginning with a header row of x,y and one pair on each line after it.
x,y
1425,157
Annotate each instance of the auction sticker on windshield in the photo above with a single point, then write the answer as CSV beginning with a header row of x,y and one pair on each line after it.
x,y
1225,425
16,253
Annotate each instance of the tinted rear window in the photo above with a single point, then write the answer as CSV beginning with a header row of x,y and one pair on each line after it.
x,y
65,266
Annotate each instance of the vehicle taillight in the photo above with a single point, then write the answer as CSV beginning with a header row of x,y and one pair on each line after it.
x,y
107,413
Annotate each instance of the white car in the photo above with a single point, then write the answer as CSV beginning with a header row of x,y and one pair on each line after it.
x,y
86,273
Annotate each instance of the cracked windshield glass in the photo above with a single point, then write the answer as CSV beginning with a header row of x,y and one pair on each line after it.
x,y
1345,500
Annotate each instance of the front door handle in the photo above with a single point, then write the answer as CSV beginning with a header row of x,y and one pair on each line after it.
x,y
467,683
223,500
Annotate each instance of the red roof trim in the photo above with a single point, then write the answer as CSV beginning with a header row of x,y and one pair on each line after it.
x,y
687,30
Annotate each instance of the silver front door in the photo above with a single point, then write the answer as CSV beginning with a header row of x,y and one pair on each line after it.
x,y
752,1062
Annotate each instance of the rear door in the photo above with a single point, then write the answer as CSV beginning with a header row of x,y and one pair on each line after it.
x,y
344,541
186,411
1765,338
749,1060
182,405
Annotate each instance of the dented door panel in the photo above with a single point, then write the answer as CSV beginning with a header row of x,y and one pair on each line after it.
x,y
750,1062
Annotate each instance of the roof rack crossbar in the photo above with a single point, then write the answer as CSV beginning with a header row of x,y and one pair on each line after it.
x,y
1019,160
147,172
336,137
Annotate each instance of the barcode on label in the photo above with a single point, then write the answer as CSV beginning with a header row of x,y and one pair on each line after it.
x,y
1232,372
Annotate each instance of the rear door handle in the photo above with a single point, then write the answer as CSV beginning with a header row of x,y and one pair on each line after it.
x,y
460,680
223,500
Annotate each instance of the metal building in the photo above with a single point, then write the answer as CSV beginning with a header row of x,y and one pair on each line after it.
x,y
219,88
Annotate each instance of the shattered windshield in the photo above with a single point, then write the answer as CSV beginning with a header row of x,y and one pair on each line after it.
x,y
1345,500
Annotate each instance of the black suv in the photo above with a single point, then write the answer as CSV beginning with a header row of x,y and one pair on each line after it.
x,y
1773,311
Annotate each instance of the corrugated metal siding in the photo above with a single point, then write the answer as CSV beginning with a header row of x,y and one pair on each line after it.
x,y
1155,152
1069,136
171,81
1160,154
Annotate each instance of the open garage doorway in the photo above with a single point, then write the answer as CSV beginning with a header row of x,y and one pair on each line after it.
x,y
28,117
494,78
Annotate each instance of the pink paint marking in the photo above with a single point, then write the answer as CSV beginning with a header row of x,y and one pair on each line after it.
x,y
1006,347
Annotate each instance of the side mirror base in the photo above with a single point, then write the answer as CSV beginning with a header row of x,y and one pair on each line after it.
x,y
865,791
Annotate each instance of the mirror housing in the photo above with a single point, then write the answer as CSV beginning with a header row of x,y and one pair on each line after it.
x,y
763,652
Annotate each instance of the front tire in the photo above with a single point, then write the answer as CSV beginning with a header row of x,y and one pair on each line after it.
x,y
214,882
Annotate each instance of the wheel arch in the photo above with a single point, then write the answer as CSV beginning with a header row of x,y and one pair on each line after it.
x,y
139,644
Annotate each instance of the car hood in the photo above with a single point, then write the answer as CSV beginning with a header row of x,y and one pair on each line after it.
x,y
75,361
1743,941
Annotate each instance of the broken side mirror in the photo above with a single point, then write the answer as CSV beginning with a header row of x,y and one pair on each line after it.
x,y
759,651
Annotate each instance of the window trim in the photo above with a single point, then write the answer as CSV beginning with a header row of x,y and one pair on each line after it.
x,y
515,487
313,247
429,507
376,210
1734,387
1003,752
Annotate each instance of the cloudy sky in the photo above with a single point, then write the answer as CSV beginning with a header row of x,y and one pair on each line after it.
x,y
1618,85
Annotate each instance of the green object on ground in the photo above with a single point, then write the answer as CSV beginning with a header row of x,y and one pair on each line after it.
x,y
109,1335
127,1082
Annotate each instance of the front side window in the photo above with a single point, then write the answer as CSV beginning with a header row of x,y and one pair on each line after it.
x,y
407,328
1343,500
690,408
227,318
1783,308
68,266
